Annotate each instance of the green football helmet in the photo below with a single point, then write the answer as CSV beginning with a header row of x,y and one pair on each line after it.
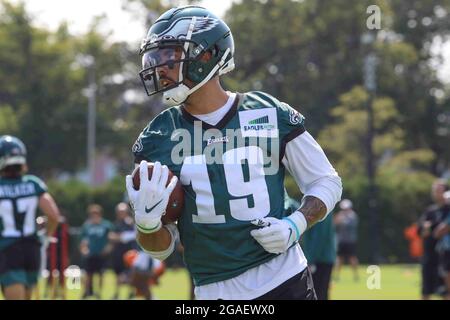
x,y
181,36
12,152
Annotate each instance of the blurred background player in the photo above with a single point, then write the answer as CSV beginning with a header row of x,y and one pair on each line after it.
x,y
124,239
429,220
442,233
20,197
319,246
95,248
346,222
145,272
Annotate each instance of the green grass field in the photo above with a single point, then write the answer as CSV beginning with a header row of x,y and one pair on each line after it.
x,y
395,282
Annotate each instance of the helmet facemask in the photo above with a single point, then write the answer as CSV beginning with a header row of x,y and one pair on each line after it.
x,y
168,53
164,55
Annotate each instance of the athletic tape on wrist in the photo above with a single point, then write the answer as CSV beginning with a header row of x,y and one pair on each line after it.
x,y
162,255
298,221
149,230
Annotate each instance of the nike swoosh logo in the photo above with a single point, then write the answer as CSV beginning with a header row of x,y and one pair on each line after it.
x,y
149,210
290,234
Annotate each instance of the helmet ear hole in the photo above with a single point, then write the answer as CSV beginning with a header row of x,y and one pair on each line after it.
x,y
207,55
215,51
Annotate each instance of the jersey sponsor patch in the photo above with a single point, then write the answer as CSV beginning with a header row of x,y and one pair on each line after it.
x,y
259,123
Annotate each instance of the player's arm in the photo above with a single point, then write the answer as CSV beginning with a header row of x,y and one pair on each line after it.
x,y
159,244
319,183
313,209
315,177
48,205
84,247
443,228
114,236
159,241
84,242
424,225
110,243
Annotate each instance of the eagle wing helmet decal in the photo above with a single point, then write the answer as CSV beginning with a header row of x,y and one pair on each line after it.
x,y
179,28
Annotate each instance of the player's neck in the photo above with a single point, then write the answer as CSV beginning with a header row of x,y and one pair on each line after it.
x,y
207,99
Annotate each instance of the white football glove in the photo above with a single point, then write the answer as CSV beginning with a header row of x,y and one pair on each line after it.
x,y
150,201
277,235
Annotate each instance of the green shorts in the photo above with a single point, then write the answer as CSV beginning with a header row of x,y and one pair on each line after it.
x,y
20,263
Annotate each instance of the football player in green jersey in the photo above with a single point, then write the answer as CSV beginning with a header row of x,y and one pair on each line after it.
x,y
20,197
230,151
95,248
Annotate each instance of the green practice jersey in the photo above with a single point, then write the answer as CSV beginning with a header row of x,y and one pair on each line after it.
x,y
96,234
19,200
319,242
231,174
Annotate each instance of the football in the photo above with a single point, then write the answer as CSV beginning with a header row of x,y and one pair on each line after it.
x,y
176,200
